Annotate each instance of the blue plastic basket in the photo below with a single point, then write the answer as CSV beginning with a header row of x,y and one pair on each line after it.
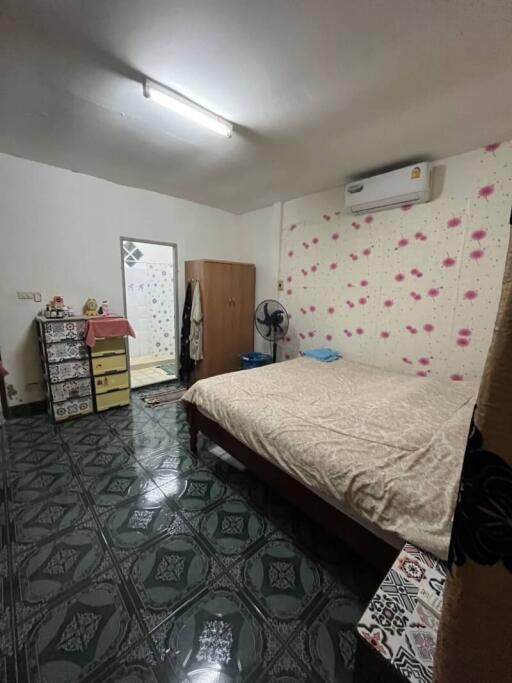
x,y
255,360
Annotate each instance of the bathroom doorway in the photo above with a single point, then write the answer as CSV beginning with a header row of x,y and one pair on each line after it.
x,y
151,306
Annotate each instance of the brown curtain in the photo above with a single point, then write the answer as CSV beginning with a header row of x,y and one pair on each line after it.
x,y
475,637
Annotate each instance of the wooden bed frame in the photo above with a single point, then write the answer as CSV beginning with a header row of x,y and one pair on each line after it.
x,y
376,551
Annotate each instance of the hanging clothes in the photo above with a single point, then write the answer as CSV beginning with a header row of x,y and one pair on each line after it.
x,y
186,363
196,325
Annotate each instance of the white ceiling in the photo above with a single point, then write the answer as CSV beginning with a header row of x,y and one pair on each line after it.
x,y
320,90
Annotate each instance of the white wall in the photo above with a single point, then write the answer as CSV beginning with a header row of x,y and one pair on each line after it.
x,y
59,234
260,231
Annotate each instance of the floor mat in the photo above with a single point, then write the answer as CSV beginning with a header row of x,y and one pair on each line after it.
x,y
169,368
164,397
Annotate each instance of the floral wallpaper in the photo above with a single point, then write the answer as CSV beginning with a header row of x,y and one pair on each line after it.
x,y
415,289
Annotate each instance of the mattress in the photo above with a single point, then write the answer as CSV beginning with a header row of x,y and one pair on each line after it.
x,y
383,447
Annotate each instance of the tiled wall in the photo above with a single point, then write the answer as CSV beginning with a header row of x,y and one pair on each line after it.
x,y
416,288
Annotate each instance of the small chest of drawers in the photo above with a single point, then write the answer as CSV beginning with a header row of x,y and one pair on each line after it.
x,y
79,381
66,367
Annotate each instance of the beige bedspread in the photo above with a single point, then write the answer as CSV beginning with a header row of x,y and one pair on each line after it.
x,y
383,447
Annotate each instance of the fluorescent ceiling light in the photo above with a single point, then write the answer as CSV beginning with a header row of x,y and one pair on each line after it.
x,y
185,107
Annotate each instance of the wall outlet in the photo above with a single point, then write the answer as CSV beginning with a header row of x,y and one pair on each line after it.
x,y
280,285
34,296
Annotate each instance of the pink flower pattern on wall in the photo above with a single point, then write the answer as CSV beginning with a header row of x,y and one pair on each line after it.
x,y
486,191
492,147
425,280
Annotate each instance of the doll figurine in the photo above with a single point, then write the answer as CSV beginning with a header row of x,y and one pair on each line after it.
x,y
91,307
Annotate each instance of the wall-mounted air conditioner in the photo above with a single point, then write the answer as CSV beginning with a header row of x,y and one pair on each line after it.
x,y
409,185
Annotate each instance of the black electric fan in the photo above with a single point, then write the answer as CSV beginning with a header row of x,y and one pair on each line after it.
x,y
271,320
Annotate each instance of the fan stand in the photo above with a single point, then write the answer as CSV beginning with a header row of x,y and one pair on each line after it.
x,y
274,351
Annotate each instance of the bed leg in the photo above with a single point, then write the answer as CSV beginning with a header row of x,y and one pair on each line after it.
x,y
193,431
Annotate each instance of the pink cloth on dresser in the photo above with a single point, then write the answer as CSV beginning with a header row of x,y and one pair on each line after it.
x,y
99,328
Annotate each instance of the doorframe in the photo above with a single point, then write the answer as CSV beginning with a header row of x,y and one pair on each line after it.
x,y
174,246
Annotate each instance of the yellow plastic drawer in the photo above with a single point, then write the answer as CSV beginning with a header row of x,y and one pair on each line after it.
x,y
108,364
108,346
118,380
113,399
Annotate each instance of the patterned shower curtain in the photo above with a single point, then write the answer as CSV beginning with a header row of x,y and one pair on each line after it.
x,y
160,283
475,637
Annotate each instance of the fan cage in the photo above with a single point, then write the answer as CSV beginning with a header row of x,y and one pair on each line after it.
x,y
271,321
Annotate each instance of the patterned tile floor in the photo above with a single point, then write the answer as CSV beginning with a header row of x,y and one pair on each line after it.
x,y
123,557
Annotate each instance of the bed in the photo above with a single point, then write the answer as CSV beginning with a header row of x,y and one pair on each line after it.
x,y
374,455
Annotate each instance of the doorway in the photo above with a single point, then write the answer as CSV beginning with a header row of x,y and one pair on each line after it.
x,y
151,306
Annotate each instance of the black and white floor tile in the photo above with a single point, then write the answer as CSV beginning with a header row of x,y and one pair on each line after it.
x,y
126,558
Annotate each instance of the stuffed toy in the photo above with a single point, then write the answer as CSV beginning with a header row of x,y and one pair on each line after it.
x,y
91,307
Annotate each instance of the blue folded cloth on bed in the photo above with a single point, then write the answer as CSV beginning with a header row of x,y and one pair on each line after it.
x,y
324,355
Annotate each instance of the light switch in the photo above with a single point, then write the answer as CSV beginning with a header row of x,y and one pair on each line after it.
x,y
38,297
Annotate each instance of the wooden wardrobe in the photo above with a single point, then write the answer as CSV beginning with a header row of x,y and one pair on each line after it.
x,y
227,297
